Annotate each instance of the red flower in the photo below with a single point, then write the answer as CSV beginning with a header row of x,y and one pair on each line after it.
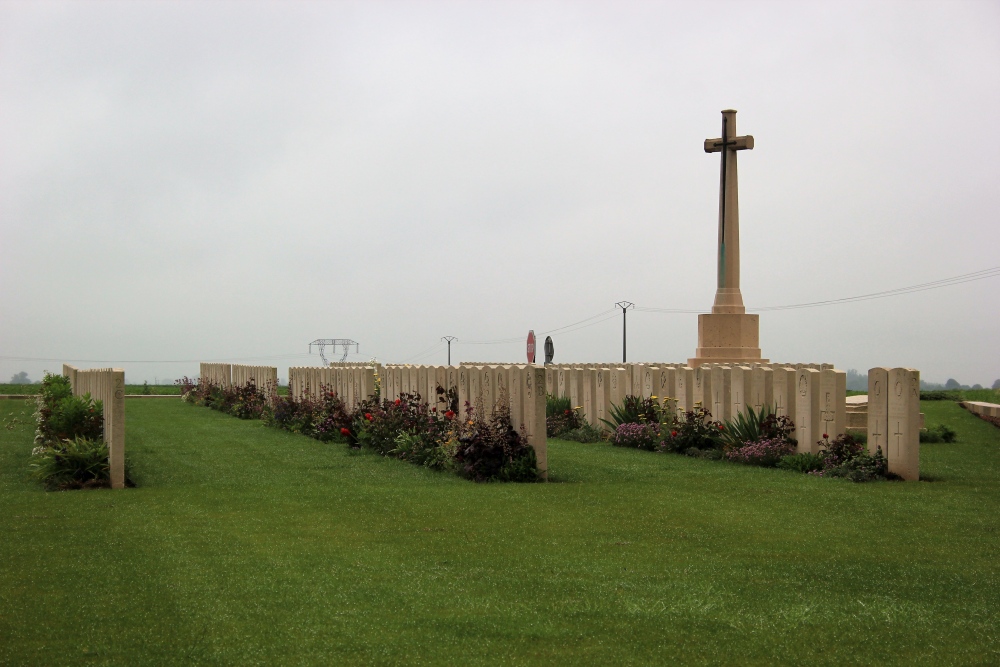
x,y
673,434
567,412
721,427
368,416
449,415
397,401
825,436
345,431
434,409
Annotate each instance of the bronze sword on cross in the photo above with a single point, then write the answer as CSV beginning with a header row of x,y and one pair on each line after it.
x,y
728,219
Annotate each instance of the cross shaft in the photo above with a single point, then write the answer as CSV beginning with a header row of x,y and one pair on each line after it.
x,y
728,298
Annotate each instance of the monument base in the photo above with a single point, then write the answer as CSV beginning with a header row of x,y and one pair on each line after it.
x,y
725,338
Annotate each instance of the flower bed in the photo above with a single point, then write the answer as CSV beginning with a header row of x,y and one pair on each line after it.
x,y
479,447
758,438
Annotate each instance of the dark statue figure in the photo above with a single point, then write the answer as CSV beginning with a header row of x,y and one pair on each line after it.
x,y
550,350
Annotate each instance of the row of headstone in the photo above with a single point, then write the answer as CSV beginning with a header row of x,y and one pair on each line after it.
x,y
239,375
637,370
265,377
220,375
815,399
817,396
352,384
108,386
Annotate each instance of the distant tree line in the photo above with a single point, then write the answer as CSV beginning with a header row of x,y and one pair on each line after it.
x,y
857,381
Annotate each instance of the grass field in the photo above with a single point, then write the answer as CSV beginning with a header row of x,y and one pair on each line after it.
x,y
243,545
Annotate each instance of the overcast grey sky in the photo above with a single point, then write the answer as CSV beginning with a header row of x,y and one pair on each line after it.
x,y
183,181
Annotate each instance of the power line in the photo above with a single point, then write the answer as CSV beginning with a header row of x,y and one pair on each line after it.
x,y
911,289
544,333
922,287
423,352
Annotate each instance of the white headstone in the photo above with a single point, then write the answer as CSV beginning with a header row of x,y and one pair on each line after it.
x,y
904,423
878,410
808,428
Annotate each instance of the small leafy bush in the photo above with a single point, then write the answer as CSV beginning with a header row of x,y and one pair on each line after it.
x,y
556,406
380,424
939,433
863,467
756,426
845,457
586,433
805,462
248,401
491,450
560,416
696,431
767,453
71,464
60,415
634,410
638,436
940,395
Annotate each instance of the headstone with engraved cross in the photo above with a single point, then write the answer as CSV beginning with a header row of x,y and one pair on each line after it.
x,y
684,392
762,388
742,389
833,401
722,393
807,424
783,391
904,423
878,410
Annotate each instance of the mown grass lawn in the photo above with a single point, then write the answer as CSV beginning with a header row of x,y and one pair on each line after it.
x,y
243,545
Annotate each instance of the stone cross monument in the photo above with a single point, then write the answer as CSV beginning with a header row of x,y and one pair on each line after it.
x,y
728,334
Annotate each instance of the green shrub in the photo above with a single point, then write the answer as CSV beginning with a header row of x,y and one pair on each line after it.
x,y
60,415
586,433
766,453
560,416
71,464
76,417
862,467
556,406
695,431
639,436
804,462
939,395
634,410
421,448
491,450
55,388
939,433
757,426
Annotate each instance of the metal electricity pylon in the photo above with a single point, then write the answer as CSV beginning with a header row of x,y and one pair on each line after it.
x,y
323,342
